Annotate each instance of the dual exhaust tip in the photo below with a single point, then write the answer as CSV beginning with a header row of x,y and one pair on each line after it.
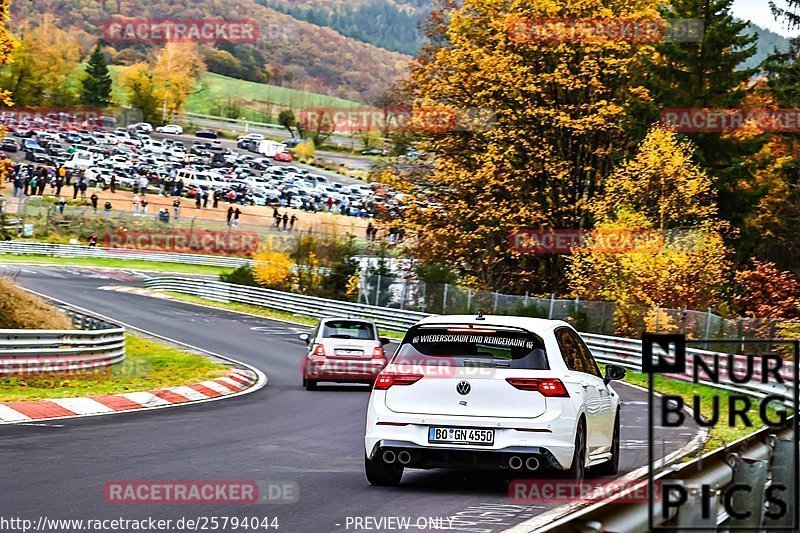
x,y
515,462
402,457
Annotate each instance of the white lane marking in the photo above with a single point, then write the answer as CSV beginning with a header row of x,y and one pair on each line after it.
x,y
188,392
81,406
146,399
222,389
7,414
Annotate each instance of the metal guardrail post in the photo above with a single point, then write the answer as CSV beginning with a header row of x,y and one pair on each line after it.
x,y
749,504
783,475
691,513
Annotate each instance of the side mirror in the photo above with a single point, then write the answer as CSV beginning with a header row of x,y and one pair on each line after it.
x,y
385,341
305,337
614,372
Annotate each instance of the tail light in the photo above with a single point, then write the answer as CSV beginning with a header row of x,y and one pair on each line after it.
x,y
377,353
319,350
388,379
550,387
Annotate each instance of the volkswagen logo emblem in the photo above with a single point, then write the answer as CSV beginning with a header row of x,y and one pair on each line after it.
x,y
463,388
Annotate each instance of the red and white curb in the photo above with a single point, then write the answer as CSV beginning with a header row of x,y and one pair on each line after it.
x,y
136,290
236,382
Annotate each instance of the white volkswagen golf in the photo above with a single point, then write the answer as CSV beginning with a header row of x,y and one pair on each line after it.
x,y
523,394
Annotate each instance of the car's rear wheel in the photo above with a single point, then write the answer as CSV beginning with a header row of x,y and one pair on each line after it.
x,y
611,467
381,473
577,470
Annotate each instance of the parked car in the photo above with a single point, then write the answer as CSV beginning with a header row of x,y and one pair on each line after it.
x,y
207,134
9,145
170,129
284,157
515,393
374,151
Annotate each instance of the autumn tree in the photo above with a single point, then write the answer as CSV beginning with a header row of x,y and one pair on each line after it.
x,y
767,292
43,65
97,83
662,183
664,204
160,87
140,86
537,125
7,45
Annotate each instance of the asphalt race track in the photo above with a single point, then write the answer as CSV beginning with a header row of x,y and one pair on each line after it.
x,y
281,433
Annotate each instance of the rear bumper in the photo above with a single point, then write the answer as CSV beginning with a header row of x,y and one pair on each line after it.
x,y
344,371
550,437
452,457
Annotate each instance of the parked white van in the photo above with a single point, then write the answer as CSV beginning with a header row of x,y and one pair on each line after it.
x,y
80,160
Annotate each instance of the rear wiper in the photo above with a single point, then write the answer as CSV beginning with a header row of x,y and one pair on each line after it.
x,y
479,362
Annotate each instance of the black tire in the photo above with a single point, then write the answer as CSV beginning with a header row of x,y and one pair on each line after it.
x,y
381,474
577,471
311,384
305,381
611,467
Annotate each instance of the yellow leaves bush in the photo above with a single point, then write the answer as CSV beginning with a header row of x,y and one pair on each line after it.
x,y
273,269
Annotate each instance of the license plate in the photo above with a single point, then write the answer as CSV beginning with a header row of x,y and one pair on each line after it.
x,y
477,437
348,352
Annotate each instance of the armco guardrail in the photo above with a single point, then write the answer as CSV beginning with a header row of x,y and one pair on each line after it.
x,y
384,317
93,344
74,250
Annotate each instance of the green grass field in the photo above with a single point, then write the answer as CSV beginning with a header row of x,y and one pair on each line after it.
x,y
148,365
259,102
114,263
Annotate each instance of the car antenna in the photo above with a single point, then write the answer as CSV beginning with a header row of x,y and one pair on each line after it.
x,y
480,315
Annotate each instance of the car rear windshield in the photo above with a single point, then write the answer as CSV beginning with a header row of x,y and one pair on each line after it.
x,y
464,346
348,329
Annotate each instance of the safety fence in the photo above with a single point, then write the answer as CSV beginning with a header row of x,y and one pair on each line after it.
x,y
74,250
93,344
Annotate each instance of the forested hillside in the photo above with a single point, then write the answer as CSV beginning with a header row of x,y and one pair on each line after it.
x,y
288,53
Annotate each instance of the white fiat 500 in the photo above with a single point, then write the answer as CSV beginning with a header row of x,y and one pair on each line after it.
x,y
523,394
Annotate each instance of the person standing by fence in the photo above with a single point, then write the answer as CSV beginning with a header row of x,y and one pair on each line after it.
x,y
94,199
107,208
236,214
176,208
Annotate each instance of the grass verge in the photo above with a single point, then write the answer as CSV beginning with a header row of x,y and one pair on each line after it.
x,y
148,365
720,434
115,263
266,312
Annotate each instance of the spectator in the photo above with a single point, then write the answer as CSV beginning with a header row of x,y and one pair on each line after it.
x,y
137,202
369,231
113,184
176,208
198,197
216,198
144,206
83,186
230,214
61,205
236,214
93,240
163,215
94,199
292,221
205,199
107,207
285,221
